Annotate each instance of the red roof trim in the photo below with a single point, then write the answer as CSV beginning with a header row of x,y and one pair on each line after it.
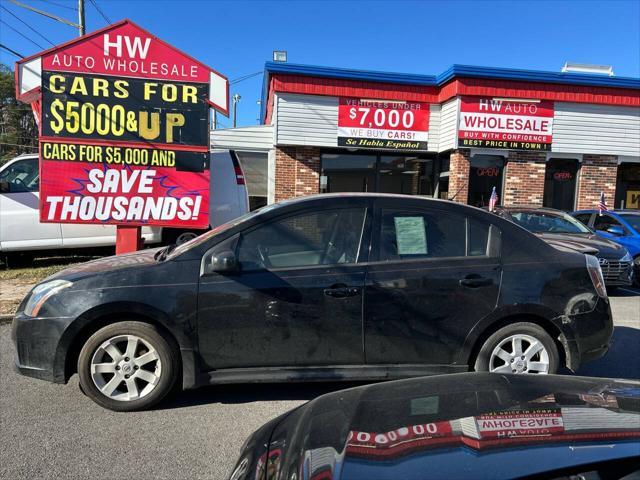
x,y
286,83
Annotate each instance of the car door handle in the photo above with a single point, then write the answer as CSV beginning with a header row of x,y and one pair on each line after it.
x,y
475,282
342,292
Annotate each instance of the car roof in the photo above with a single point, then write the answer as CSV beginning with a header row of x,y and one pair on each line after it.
x,y
529,208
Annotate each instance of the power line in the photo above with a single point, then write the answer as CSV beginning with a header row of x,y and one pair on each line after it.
x,y
244,77
4,47
26,24
18,145
22,35
97,7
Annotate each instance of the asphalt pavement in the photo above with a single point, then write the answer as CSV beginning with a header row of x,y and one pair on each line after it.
x,y
53,431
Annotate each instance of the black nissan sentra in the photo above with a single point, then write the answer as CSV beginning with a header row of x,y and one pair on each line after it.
x,y
328,287
467,426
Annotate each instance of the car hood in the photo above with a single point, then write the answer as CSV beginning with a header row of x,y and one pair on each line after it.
x,y
107,265
451,425
588,243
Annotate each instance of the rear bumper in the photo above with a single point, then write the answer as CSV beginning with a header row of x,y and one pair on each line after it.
x,y
589,334
36,341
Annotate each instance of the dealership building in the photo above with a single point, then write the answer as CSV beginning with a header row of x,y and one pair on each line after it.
x,y
553,139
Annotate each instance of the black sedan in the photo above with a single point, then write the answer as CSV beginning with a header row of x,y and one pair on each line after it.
x,y
464,426
562,230
330,287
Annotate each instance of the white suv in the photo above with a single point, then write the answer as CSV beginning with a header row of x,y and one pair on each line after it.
x,y
21,230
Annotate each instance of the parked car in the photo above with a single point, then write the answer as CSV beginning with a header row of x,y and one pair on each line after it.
x,y
619,226
21,230
327,287
461,426
559,228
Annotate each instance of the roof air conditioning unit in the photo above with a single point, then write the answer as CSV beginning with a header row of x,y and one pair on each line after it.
x,y
587,68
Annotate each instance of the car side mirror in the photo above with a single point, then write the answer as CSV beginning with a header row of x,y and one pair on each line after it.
x,y
5,187
223,262
614,230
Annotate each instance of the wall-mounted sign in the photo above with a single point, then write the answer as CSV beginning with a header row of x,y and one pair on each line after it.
x,y
124,130
383,124
501,123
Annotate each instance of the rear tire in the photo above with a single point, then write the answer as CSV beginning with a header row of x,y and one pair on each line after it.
x,y
521,347
127,366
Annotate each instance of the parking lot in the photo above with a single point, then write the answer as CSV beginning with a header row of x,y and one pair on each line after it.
x,y
53,431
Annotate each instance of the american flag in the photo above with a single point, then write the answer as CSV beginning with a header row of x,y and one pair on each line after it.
x,y
602,205
493,201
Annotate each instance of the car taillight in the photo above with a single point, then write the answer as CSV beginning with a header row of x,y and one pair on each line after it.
x,y
239,175
595,272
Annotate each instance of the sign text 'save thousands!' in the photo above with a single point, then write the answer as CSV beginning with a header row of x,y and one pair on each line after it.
x,y
498,123
383,124
124,134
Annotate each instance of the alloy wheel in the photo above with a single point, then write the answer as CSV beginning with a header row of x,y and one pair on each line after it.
x,y
126,368
519,353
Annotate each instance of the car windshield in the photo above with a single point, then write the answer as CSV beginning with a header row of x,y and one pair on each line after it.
x,y
179,250
633,220
547,222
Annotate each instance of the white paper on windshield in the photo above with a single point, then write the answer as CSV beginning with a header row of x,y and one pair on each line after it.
x,y
411,236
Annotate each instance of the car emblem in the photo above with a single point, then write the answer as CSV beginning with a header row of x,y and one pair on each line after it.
x,y
603,261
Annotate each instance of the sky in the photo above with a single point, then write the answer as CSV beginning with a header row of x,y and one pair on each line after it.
x,y
424,37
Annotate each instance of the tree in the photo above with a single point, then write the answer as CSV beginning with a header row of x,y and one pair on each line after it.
x,y
18,129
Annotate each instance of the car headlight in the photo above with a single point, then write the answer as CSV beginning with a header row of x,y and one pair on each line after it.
x,y
42,293
627,257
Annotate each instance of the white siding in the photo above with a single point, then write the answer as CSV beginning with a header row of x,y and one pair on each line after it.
x,y
259,137
306,120
597,129
434,127
449,125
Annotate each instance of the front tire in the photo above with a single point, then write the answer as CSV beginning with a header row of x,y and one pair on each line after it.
x,y
521,348
127,366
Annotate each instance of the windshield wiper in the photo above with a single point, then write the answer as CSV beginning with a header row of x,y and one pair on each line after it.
x,y
161,255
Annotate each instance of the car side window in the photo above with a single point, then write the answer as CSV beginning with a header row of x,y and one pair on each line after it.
x,y
327,237
21,176
602,222
419,234
583,217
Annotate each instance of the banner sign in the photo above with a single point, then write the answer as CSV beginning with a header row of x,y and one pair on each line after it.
x,y
521,423
383,124
500,123
124,134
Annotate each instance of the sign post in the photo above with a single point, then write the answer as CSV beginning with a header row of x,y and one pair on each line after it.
x,y
124,131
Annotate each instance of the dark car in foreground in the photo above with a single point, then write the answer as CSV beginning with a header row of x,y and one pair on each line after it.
x,y
329,287
460,426
559,228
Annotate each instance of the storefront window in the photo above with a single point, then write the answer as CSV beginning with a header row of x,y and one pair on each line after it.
x,y
348,173
560,183
486,172
628,186
409,175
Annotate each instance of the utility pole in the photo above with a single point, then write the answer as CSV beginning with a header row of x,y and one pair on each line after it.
x,y
81,24
236,99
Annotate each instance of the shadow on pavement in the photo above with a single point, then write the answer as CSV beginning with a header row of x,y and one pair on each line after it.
x,y
622,360
625,292
254,392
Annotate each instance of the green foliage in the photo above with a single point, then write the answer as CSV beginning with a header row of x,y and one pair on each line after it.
x,y
18,130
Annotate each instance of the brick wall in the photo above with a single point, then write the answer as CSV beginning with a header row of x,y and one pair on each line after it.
x,y
297,172
597,174
459,175
524,178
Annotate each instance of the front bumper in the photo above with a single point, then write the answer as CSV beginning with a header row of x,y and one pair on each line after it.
x,y
38,351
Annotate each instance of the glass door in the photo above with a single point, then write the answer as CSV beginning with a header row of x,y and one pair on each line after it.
x,y
560,183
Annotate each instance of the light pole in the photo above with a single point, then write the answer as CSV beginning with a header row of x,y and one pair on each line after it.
x,y
236,99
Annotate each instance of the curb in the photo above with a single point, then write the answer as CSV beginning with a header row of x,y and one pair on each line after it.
x,y
5,319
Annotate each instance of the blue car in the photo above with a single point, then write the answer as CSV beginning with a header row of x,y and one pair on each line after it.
x,y
620,226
